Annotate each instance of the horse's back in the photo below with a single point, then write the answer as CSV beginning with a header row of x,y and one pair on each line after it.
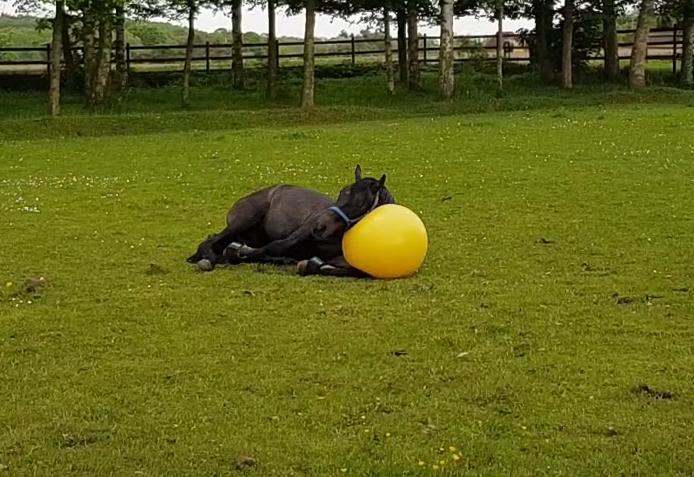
x,y
290,206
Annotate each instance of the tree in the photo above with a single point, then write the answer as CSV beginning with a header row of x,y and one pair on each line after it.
x,y
177,9
401,18
96,32
687,68
446,54
567,45
390,75
639,51
500,47
543,12
412,45
70,56
310,8
192,13
272,53
56,54
373,12
121,76
610,40
89,47
237,45
495,10
309,86
103,59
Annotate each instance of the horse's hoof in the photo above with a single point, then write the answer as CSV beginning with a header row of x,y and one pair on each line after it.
x,y
205,265
309,267
302,268
231,253
231,256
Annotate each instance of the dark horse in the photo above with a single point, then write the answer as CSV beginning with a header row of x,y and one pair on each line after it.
x,y
291,225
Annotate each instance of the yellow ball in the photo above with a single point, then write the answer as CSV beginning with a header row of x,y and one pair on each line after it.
x,y
390,242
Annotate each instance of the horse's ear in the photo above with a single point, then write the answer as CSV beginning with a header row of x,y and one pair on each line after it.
x,y
382,180
357,173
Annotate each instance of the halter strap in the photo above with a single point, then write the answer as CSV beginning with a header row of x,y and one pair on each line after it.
x,y
348,222
338,211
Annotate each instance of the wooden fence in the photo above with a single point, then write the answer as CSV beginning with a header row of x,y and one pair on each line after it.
x,y
664,44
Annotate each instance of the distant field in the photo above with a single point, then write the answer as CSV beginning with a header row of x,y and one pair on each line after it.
x,y
549,332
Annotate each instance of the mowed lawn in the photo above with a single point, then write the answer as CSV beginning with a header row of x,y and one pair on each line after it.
x,y
550,331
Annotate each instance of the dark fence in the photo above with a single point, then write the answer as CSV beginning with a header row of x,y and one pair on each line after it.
x,y
663,44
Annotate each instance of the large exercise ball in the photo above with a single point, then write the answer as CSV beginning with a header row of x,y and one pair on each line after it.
x,y
390,242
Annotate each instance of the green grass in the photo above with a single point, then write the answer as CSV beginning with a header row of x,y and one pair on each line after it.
x,y
216,106
558,281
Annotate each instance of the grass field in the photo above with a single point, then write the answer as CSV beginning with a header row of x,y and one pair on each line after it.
x,y
549,332
361,88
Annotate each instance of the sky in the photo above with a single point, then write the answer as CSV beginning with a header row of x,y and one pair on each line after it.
x,y
256,20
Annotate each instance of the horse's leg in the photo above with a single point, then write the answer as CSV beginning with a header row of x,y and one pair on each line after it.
x,y
277,248
243,216
233,255
336,267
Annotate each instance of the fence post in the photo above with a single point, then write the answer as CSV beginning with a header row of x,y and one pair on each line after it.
x,y
48,58
207,57
127,58
674,50
354,51
424,38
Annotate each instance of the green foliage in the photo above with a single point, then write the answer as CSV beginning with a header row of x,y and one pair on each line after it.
x,y
4,41
549,331
21,31
152,34
587,37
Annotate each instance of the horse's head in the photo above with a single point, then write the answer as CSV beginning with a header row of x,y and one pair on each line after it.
x,y
354,202
204,252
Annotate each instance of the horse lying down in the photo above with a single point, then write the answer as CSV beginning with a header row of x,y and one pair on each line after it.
x,y
288,225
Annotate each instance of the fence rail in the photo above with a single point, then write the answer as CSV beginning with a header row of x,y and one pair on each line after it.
x,y
663,44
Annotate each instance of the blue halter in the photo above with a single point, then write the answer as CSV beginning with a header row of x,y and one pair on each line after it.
x,y
349,222
338,211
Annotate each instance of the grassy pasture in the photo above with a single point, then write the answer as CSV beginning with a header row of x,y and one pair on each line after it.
x,y
549,332
361,88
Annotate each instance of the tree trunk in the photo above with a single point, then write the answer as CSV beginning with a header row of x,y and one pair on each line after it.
x,y
611,43
567,37
401,17
639,52
271,52
121,76
413,45
446,58
103,71
189,56
308,90
68,55
237,45
543,25
56,54
388,48
500,47
90,63
687,78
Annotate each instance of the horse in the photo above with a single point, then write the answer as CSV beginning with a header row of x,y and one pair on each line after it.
x,y
289,225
